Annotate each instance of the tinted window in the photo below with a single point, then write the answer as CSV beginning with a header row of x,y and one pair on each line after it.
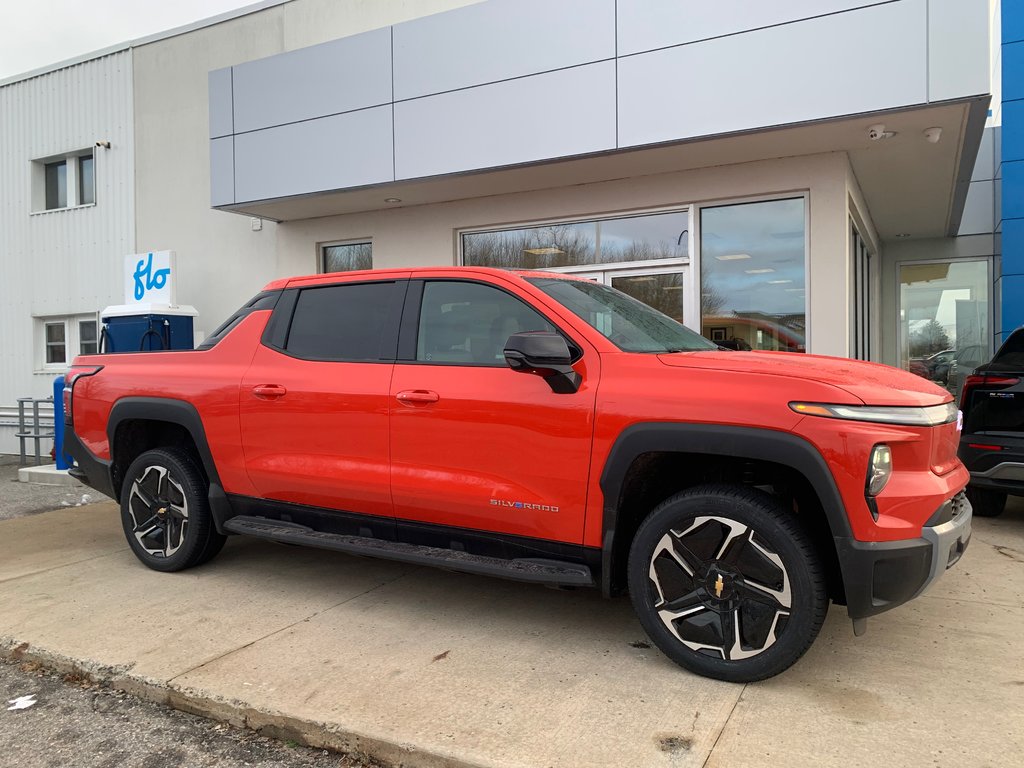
x,y
469,323
341,322
262,301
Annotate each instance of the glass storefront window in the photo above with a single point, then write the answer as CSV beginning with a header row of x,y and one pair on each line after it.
x,y
604,241
753,275
944,319
663,292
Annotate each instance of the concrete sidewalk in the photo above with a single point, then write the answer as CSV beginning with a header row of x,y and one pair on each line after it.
x,y
426,668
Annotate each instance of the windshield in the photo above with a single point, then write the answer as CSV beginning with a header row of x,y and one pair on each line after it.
x,y
629,324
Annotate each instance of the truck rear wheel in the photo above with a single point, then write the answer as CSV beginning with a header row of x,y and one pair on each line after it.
x,y
165,511
726,583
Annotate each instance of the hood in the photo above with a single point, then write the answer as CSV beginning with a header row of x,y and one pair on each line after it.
x,y
871,383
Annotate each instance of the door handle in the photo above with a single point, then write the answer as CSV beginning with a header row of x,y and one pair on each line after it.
x,y
269,391
414,397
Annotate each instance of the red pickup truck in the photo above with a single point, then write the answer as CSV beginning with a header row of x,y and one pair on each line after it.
x,y
544,428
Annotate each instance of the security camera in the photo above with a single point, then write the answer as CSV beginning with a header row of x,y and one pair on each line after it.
x,y
876,132
103,144
932,135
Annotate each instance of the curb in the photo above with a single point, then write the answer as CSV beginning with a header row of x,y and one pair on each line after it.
x,y
237,713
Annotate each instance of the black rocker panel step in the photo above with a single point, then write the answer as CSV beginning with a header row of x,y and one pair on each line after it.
x,y
523,569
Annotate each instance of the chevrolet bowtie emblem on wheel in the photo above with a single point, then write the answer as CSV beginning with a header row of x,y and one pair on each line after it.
x,y
719,586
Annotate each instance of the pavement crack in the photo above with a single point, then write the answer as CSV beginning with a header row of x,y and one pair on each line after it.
x,y
285,628
724,726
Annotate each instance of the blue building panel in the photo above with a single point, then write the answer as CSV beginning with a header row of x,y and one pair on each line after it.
x,y
1013,71
1013,21
1013,303
1013,131
1013,190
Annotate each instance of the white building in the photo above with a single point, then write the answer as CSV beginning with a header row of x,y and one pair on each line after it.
x,y
765,172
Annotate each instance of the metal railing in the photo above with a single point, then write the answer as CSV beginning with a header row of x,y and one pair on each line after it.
x,y
32,430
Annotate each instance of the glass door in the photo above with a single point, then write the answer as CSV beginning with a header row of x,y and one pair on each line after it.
x,y
944,319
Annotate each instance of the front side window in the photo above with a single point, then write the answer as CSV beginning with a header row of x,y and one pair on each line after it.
x,y
629,324
468,323
753,275
346,257
343,322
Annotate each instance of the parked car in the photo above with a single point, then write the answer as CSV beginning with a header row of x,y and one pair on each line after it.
x,y
992,444
543,428
937,365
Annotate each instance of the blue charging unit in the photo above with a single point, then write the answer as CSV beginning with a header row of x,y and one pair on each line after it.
x,y
146,328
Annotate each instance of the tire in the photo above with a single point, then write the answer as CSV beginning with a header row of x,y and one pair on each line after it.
x,y
748,589
986,502
165,511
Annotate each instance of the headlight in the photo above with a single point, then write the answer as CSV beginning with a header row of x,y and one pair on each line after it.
x,y
930,416
879,470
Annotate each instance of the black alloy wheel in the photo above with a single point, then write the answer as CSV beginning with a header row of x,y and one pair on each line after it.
x,y
165,511
727,583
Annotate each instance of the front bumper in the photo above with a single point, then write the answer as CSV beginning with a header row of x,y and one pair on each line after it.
x,y
878,576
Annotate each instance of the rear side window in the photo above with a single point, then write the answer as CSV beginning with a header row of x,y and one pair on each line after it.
x,y
344,322
266,300
1011,354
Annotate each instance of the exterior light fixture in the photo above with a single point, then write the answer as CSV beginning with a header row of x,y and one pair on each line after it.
x,y
902,235
392,199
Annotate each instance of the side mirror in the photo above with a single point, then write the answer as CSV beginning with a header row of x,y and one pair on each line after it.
x,y
546,355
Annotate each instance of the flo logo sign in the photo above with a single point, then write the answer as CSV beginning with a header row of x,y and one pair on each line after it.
x,y
149,278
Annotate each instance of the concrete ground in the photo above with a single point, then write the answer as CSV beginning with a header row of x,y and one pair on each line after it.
x,y
420,667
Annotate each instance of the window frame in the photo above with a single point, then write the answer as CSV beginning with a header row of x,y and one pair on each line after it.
x,y
697,255
692,260
279,326
72,339
408,340
72,161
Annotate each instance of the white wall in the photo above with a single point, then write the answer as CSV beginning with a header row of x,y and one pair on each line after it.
x,y
64,261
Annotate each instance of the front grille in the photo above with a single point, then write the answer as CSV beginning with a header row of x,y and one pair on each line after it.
x,y
959,504
950,510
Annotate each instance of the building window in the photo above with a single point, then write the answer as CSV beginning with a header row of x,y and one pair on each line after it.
x,y
86,181
56,343
944,319
346,257
753,275
88,342
600,241
64,182
56,185
62,338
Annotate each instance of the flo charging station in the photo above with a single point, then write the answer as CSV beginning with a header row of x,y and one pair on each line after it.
x,y
150,320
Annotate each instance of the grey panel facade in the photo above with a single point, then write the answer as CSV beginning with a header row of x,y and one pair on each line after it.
x,y
331,78
335,152
505,82
499,40
645,25
775,91
222,171
221,102
568,112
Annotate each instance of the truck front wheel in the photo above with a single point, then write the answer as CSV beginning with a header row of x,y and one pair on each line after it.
x,y
726,583
165,511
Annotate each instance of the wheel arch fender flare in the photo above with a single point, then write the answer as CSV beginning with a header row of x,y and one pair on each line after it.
x,y
717,440
185,415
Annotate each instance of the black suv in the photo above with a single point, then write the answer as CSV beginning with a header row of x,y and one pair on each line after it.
x,y
992,443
